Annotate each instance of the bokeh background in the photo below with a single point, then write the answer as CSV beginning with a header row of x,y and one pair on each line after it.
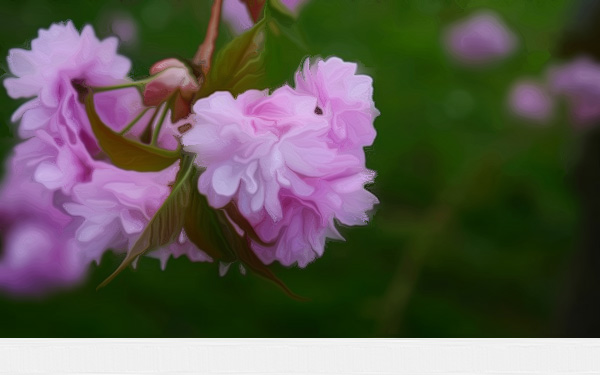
x,y
484,227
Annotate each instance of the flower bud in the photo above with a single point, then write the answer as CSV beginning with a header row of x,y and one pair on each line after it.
x,y
170,75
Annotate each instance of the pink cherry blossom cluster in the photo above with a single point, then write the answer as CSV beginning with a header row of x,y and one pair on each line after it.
x,y
293,161
63,204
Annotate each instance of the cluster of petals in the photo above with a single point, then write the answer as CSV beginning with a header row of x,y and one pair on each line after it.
x,y
101,205
482,38
291,161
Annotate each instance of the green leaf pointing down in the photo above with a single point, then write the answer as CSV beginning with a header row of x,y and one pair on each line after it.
x,y
126,153
166,225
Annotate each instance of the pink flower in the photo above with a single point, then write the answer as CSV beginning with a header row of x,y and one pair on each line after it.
x,y
35,260
344,98
579,82
60,190
55,116
290,167
124,27
529,100
480,39
236,14
117,205
59,55
39,254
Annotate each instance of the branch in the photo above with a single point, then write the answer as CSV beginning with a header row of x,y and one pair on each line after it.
x,y
203,56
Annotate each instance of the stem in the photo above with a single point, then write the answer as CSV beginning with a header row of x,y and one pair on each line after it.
x,y
134,121
161,120
203,56
137,84
145,136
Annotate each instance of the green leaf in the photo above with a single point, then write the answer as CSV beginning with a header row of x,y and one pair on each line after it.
x,y
126,153
166,225
206,229
266,56
239,64
211,230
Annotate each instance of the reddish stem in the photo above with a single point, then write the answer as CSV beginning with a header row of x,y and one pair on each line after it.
x,y
203,56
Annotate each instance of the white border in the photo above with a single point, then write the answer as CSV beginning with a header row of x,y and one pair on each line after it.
x,y
300,356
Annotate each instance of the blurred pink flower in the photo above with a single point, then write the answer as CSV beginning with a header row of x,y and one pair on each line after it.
x,y
530,100
125,28
38,253
579,82
480,39
35,260
236,14
290,166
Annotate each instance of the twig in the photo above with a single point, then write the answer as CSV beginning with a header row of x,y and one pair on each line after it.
x,y
203,56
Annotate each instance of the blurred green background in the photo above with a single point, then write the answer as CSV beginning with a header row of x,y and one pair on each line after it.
x,y
478,220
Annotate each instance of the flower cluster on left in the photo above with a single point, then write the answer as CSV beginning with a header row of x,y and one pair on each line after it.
x,y
59,181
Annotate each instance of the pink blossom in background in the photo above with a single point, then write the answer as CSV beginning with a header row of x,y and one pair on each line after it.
x,y
293,161
530,100
38,254
125,28
35,260
293,5
236,14
579,82
482,38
